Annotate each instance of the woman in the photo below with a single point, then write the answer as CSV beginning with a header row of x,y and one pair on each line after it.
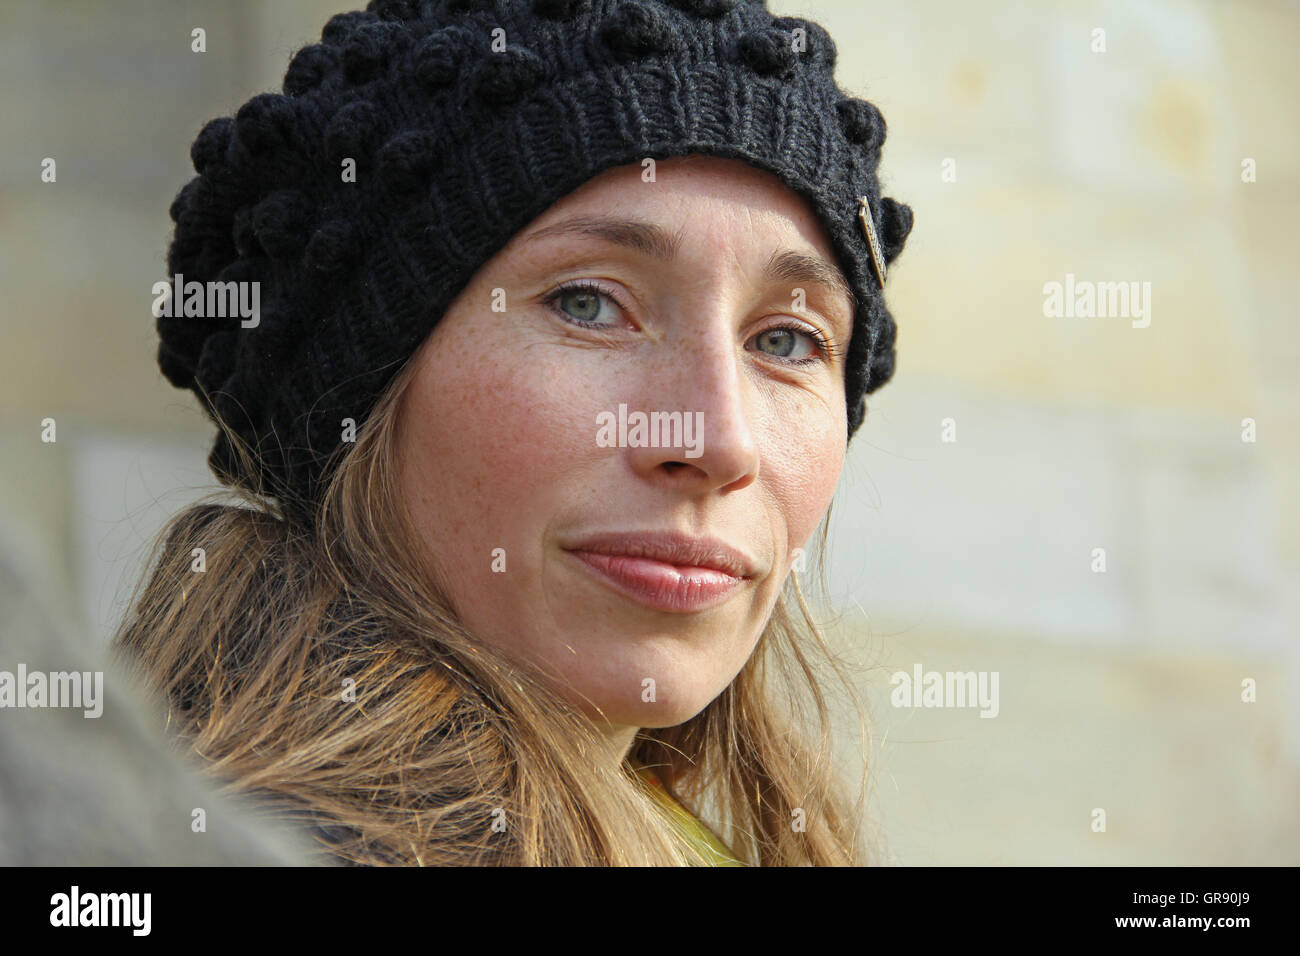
x,y
471,609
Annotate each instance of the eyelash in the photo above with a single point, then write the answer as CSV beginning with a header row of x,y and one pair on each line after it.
x,y
829,351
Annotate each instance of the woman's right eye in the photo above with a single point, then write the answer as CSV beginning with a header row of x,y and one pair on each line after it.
x,y
581,302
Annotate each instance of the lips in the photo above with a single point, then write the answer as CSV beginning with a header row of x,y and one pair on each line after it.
x,y
665,570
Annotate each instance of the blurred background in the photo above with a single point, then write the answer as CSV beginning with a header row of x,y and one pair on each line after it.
x,y
1150,142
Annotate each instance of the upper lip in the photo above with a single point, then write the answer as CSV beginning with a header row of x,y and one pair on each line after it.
x,y
671,547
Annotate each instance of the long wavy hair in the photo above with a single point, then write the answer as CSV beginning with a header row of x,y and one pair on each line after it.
x,y
322,670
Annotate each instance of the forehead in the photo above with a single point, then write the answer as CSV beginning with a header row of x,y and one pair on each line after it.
x,y
698,203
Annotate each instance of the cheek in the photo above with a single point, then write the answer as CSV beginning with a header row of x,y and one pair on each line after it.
x,y
486,438
803,465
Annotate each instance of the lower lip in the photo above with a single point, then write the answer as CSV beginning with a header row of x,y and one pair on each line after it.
x,y
662,586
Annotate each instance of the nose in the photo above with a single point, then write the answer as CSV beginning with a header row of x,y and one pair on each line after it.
x,y
698,381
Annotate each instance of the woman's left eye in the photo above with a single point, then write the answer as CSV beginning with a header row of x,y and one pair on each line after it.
x,y
784,339
580,303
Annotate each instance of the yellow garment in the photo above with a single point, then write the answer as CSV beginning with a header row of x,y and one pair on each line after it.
x,y
686,823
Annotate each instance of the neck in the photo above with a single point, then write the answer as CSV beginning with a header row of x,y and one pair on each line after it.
x,y
620,739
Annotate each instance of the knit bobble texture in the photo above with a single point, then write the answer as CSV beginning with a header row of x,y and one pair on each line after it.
x,y
352,131
262,126
504,77
185,249
367,49
557,9
201,214
704,8
768,52
340,27
637,29
209,148
333,248
407,161
862,123
308,69
244,235
395,9
468,6
818,47
217,354
182,200
880,368
281,222
896,225
439,55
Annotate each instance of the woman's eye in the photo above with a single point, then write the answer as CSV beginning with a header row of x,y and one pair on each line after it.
x,y
585,303
785,342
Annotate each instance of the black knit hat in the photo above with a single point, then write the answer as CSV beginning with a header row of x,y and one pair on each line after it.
x,y
461,135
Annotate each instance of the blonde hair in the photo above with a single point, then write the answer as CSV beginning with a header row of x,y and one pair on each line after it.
x,y
449,753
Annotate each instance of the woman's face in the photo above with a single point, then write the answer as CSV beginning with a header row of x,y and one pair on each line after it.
x,y
680,297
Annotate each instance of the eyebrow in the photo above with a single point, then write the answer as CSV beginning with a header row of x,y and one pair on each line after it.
x,y
655,241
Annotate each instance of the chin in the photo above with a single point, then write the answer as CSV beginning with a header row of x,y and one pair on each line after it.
x,y
658,713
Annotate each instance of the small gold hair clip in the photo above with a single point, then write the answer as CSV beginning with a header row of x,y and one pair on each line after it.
x,y
864,214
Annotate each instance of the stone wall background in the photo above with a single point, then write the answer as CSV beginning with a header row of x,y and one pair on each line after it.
x,y
1119,690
